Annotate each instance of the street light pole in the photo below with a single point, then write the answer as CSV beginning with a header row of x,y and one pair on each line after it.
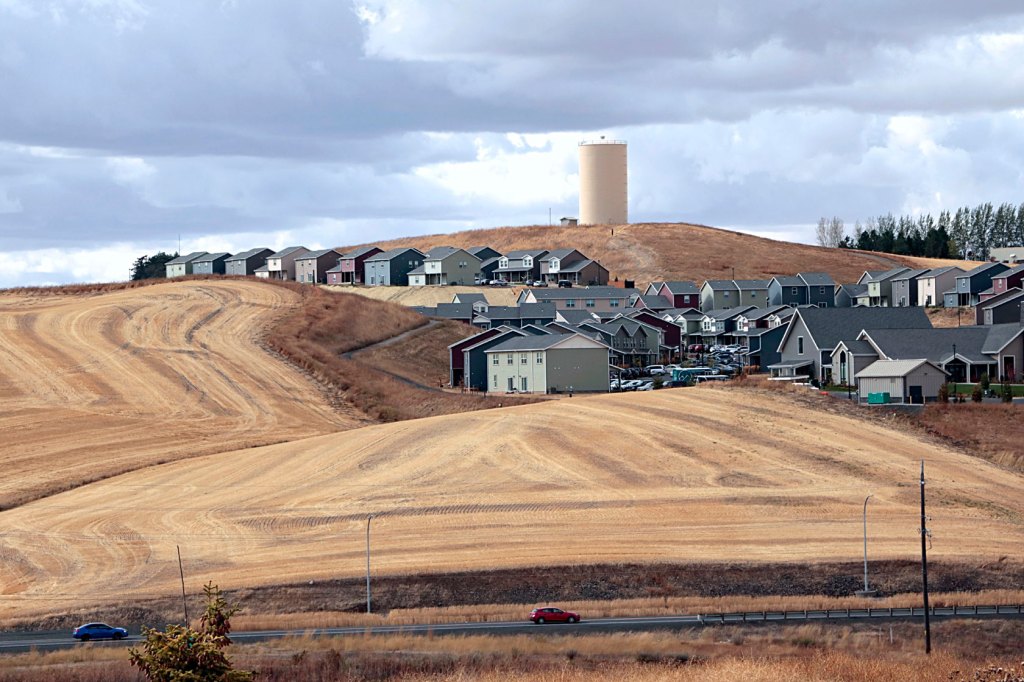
x,y
866,592
368,519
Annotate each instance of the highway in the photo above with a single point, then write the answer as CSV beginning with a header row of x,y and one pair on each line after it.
x,y
15,642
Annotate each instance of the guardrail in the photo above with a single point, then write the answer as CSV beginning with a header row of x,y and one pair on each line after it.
x,y
849,614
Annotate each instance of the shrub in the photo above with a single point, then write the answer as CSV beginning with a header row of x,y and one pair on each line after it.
x,y
977,393
1006,392
984,381
944,393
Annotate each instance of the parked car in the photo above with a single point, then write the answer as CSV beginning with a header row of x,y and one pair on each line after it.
x,y
540,283
654,370
631,385
564,284
499,283
696,348
645,386
98,631
613,385
550,614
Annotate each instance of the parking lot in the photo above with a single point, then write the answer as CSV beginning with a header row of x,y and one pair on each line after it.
x,y
719,363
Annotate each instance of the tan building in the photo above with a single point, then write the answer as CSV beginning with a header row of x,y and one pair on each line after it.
x,y
906,381
548,363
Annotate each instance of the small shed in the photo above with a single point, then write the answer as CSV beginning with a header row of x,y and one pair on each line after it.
x,y
906,381
570,222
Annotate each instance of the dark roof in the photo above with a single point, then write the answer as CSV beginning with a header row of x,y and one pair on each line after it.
x,y
246,255
418,270
557,253
790,280
393,253
998,336
492,259
286,251
187,258
654,302
317,254
612,326
728,313
536,253
935,272
983,268
535,330
817,279
513,312
440,252
210,257
358,252
829,326
909,274
1011,272
676,288
532,342
761,313
559,293
933,344
742,284
854,290
577,316
577,265
720,284
888,274
858,347
469,298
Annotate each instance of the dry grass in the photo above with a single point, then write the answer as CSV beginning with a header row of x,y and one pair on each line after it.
x,y
421,357
991,431
644,252
431,295
951,317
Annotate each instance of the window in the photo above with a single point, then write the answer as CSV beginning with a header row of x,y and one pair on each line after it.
x,y
726,294
495,384
796,291
590,303
821,290
527,262
800,345
570,303
494,359
614,303
522,359
540,358
511,384
509,361
523,385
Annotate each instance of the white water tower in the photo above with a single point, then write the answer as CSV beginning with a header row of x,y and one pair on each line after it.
x,y
603,183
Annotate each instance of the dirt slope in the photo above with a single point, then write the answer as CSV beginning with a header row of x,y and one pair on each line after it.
x,y
677,251
675,475
94,385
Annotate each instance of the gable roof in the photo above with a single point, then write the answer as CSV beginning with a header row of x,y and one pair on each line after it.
x,y
418,270
1000,336
539,342
393,253
728,313
576,316
720,284
857,347
210,257
1011,272
880,369
440,252
652,301
578,265
888,274
933,344
504,331
312,255
745,284
909,274
558,293
475,250
681,288
288,250
829,326
935,272
246,255
557,253
469,298
761,313
789,280
359,252
983,268
187,258
537,254
513,312
817,279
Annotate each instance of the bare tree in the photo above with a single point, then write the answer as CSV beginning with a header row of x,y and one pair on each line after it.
x,y
836,232
821,231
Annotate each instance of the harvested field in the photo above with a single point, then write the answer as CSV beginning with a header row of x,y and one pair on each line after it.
x,y
678,475
95,385
431,295
678,251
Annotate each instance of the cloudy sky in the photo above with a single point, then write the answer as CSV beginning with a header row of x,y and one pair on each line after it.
x,y
128,124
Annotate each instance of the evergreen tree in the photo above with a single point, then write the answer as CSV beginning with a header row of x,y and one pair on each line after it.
x,y
151,267
960,232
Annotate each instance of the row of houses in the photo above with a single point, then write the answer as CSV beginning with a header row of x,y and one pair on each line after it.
x,y
373,266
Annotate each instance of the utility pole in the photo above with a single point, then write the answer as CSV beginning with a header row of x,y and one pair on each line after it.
x,y
369,518
867,592
924,568
181,571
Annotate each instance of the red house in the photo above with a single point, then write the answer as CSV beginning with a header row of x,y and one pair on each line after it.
x,y
682,294
349,269
672,332
456,358
1011,279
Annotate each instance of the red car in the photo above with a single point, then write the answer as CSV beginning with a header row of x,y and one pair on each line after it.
x,y
549,614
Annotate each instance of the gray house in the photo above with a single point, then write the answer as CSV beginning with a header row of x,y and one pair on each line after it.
x,y
572,266
599,300
821,288
520,266
210,264
787,290
813,333
391,268
850,295
281,265
245,263
466,359
483,252
552,363
311,268
880,287
904,288
970,284
718,294
906,381
446,265
752,292
633,342
933,284
182,265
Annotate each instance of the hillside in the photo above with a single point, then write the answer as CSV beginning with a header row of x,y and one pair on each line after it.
x,y
662,251
688,475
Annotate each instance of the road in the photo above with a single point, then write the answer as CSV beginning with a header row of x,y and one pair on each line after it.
x,y
11,642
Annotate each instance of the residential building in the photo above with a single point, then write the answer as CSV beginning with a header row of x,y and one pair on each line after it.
x,y
762,347
312,267
444,265
821,288
673,335
932,284
960,351
245,263
904,288
520,266
391,268
1002,309
474,367
849,357
752,292
1007,254
572,266
182,265
650,302
599,300
880,287
970,284
515,315
718,294
351,267
1008,279
552,363
787,290
850,295
210,264
718,326
905,381
281,265
632,341
483,252
682,294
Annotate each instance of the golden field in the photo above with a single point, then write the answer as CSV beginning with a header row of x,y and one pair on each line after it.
x,y
677,475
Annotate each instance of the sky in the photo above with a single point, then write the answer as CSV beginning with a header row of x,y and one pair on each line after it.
x,y
128,125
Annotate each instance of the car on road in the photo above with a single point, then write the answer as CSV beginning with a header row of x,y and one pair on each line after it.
x,y
98,631
551,614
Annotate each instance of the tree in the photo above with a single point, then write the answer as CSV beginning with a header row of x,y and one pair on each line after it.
x,y
1007,391
151,267
976,393
836,230
181,654
944,392
821,231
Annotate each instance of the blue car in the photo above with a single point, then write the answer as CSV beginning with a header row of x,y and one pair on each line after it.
x,y
98,631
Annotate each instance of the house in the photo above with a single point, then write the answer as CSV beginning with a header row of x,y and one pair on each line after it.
x,y
474,298
716,325
633,342
762,347
351,268
958,350
182,265
813,333
488,267
757,318
391,268
950,299
932,284
444,265
787,290
483,252
1004,308
552,363
880,287
904,288
262,272
1008,279
752,292
551,263
718,294
312,267
601,300
970,284
673,336
821,288
520,266
281,265
850,295
514,316
688,320
572,266
210,264
681,294
459,312
649,302
1005,345
906,381
468,361
849,357
245,263
1007,254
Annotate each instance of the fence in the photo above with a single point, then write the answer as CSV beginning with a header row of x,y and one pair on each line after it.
x,y
849,614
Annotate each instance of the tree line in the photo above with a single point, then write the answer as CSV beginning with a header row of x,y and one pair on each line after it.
x,y
151,267
965,233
